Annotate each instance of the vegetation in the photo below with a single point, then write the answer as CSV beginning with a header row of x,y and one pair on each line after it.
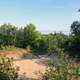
x,y
62,69
7,71
31,38
28,37
65,68
72,44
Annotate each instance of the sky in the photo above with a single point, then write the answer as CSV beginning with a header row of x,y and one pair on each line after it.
x,y
46,15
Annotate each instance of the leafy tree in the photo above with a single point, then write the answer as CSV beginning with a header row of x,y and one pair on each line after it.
x,y
56,42
75,28
20,38
43,45
72,45
8,33
1,39
31,36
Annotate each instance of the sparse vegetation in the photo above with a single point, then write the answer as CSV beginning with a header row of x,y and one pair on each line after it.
x,y
62,69
7,71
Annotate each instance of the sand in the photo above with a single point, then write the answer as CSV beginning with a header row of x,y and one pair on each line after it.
x,y
30,68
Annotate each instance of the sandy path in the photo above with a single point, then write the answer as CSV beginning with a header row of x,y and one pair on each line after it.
x,y
30,68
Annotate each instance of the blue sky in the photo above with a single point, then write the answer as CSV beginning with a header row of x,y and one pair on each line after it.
x,y
47,15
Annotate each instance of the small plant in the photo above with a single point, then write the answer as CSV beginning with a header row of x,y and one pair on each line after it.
x,y
63,69
7,71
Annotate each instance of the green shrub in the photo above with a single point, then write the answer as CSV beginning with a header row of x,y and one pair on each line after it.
x,y
7,71
63,69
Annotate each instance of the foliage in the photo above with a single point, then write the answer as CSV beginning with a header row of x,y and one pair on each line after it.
x,y
62,69
7,34
75,28
42,47
72,44
7,71
20,38
56,42
31,36
40,43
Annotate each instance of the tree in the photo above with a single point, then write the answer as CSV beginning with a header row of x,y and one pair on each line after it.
x,y
56,42
73,41
31,36
20,38
8,33
43,45
75,28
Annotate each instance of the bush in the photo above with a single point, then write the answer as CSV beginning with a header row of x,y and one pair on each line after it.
x,y
7,71
63,69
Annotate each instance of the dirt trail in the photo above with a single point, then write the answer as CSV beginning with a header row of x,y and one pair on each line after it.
x,y
30,68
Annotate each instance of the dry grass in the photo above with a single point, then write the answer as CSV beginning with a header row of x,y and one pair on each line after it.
x,y
14,53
